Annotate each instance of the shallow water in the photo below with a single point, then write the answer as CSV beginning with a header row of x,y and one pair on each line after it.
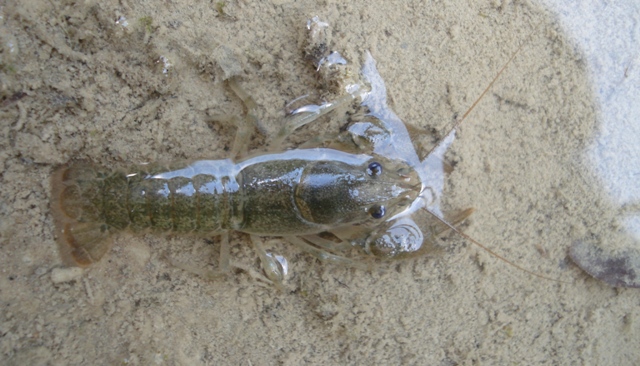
x,y
96,91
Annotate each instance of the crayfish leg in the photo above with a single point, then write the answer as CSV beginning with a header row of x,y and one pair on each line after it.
x,y
245,125
324,255
328,245
243,133
224,263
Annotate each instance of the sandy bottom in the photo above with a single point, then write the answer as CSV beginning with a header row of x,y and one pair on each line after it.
x,y
78,84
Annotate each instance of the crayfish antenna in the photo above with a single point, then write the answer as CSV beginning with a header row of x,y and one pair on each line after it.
x,y
485,248
475,103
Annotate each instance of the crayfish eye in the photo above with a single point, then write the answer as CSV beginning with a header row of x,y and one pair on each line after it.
x,y
377,211
374,169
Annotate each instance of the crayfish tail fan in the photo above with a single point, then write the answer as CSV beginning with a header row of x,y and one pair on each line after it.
x,y
81,232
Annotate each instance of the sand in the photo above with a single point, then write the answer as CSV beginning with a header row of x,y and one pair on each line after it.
x,y
123,82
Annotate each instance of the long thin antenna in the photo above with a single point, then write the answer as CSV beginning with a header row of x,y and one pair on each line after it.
x,y
472,240
466,114
455,126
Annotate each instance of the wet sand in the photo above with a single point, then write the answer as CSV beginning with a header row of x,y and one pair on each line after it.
x,y
77,85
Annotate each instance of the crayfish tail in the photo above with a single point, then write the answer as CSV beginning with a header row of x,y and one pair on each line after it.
x,y
83,244
83,238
